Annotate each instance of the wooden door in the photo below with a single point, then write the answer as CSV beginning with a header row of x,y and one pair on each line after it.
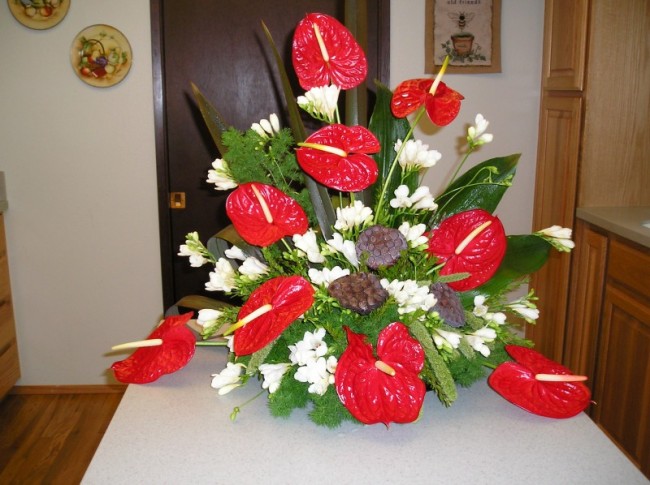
x,y
219,45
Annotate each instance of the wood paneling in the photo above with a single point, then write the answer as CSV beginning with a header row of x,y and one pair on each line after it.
x,y
9,364
565,45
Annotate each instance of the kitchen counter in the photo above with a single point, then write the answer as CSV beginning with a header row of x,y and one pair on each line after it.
x,y
177,430
626,222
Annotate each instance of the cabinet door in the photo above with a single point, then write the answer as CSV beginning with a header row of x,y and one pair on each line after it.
x,y
9,367
587,284
565,44
622,391
555,194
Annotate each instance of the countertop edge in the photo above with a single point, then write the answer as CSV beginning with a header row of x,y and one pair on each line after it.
x,y
622,221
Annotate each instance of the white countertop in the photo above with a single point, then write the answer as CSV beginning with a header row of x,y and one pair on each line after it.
x,y
177,431
627,222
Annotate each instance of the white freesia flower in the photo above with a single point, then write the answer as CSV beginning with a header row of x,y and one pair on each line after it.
x,y
529,312
320,102
559,237
220,176
310,348
253,268
316,374
446,339
208,317
497,317
194,249
415,155
196,258
235,252
325,276
476,135
267,128
308,244
401,198
229,378
222,278
478,338
480,309
409,295
273,374
414,235
345,247
422,199
355,215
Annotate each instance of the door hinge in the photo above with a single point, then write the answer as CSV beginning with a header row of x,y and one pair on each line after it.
x,y
177,200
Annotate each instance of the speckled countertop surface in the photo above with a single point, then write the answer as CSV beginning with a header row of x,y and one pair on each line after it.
x,y
177,430
627,222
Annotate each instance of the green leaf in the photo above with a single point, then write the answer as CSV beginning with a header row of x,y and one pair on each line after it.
x,y
481,187
525,254
228,237
388,130
443,382
214,121
318,193
258,358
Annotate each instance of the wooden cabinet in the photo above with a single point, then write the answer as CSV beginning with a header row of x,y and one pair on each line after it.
x,y
9,368
609,335
593,138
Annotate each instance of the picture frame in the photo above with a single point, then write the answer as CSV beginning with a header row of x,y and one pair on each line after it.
x,y
469,31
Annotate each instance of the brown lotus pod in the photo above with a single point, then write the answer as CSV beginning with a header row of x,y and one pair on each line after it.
x,y
382,245
359,292
448,305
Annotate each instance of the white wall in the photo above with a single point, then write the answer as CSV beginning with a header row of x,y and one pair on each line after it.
x,y
509,100
82,228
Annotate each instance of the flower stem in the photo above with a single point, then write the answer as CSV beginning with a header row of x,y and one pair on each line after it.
x,y
237,409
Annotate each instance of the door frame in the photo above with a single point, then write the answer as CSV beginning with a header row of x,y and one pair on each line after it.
x,y
167,251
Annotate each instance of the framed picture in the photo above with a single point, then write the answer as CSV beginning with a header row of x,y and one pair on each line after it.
x,y
468,31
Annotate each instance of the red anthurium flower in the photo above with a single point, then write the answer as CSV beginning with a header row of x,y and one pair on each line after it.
x,y
323,51
384,389
336,156
540,385
442,106
263,214
270,309
169,348
471,242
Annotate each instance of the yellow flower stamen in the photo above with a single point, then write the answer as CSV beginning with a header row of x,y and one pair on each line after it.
x,y
385,368
265,207
321,43
461,247
559,378
325,148
154,342
436,82
248,318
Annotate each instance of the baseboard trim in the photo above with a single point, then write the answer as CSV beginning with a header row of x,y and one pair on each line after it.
x,y
70,389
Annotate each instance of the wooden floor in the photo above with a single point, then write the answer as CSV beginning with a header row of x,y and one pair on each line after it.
x,y
51,438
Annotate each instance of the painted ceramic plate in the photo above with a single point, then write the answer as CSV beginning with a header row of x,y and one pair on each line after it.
x,y
101,55
39,14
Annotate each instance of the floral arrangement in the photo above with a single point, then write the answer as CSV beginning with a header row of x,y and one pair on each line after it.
x,y
353,290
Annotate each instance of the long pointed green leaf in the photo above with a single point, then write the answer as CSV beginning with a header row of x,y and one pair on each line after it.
x,y
318,194
482,187
228,237
214,121
388,129
525,254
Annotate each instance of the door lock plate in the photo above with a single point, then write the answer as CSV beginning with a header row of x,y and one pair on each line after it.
x,y
177,200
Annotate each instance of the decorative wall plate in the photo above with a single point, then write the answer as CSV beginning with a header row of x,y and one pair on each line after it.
x,y
101,55
39,14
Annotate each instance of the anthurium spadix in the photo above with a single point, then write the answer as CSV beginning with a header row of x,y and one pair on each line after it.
x,y
263,214
324,51
167,349
540,385
337,156
471,242
270,309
